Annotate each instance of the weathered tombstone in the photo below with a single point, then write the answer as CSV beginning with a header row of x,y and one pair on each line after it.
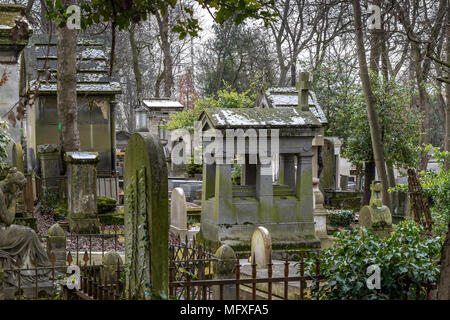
x,y
82,191
56,244
146,217
17,157
178,213
50,168
376,216
344,182
111,262
331,157
261,248
224,268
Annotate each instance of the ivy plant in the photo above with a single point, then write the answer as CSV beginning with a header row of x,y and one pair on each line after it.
x,y
406,258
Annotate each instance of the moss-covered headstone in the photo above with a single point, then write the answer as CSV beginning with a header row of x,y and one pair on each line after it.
x,y
50,169
56,244
376,216
146,218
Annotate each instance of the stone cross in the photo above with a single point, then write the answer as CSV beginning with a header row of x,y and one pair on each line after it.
x,y
178,213
303,87
261,247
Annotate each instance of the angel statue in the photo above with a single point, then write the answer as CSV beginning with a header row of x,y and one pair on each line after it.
x,y
19,245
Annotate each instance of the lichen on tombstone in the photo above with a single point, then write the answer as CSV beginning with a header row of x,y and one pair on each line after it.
x,y
146,218
376,216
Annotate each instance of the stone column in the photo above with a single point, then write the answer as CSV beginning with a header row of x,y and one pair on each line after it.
x,y
320,213
82,191
223,212
264,192
304,186
337,153
50,168
56,245
224,268
316,143
112,106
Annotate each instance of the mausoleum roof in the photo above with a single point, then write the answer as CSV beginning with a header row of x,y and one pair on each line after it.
x,y
162,103
279,97
260,118
92,65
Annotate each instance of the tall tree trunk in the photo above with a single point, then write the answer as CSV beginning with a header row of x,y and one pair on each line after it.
x,y
294,73
67,87
423,98
137,74
447,90
375,131
444,279
163,24
369,175
45,23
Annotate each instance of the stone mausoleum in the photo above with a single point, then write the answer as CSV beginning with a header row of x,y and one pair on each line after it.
x,y
96,93
230,212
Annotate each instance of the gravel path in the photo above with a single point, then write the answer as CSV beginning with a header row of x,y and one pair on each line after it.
x,y
45,220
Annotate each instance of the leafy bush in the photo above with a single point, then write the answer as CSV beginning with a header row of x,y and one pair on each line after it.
x,y
341,218
106,204
226,98
437,186
406,258
60,212
193,168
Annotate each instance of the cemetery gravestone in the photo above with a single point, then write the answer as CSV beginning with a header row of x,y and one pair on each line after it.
x,y
261,247
224,268
82,191
178,213
50,168
56,244
146,217
376,216
17,157
111,261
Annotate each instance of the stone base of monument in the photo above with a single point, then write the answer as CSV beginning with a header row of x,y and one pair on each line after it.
x,y
343,199
45,288
182,233
285,236
85,225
